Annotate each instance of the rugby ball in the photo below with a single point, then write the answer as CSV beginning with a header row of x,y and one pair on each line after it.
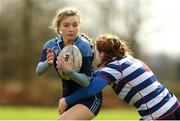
x,y
71,52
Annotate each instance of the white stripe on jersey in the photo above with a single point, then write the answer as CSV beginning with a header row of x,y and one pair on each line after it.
x,y
163,109
119,62
154,101
141,78
124,91
144,92
116,74
131,69
134,83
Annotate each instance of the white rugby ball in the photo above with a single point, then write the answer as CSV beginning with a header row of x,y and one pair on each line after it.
x,y
71,52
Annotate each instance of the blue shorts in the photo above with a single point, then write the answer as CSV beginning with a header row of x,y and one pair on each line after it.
x,y
94,103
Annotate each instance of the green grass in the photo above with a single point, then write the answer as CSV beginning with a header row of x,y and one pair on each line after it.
x,y
118,114
47,113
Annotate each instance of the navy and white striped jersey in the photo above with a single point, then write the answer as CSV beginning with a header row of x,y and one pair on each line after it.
x,y
136,84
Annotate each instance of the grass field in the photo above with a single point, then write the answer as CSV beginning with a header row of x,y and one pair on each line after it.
x,y
47,113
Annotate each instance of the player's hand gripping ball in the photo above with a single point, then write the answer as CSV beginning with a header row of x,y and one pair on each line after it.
x,y
69,58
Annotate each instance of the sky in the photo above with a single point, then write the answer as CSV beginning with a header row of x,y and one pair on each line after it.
x,y
161,33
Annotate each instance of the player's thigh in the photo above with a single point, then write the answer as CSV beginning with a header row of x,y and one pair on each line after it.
x,y
77,112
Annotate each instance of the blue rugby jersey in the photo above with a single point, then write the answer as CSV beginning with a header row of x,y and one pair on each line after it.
x,y
136,84
84,46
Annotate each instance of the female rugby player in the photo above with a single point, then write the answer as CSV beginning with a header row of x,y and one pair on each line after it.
x,y
131,79
67,25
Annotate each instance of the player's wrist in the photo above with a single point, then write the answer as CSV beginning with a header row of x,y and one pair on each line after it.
x,y
70,72
64,101
47,63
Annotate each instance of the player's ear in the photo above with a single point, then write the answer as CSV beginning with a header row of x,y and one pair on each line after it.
x,y
101,54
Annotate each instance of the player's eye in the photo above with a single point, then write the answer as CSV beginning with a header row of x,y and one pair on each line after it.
x,y
66,25
75,25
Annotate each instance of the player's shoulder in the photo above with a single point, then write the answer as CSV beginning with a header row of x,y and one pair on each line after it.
x,y
52,42
81,40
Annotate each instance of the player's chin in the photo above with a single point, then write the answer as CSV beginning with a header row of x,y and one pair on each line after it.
x,y
98,62
71,38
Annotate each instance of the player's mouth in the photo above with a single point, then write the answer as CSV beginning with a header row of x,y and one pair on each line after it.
x,y
70,35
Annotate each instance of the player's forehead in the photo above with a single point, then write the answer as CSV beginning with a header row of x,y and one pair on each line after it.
x,y
71,20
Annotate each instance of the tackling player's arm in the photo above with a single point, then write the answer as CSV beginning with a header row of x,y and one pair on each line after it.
x,y
96,86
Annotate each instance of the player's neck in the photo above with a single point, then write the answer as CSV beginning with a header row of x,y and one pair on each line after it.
x,y
65,42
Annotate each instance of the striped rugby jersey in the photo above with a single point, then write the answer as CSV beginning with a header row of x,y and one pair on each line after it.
x,y
136,84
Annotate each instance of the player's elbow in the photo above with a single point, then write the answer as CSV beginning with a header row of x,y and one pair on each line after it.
x,y
38,72
41,68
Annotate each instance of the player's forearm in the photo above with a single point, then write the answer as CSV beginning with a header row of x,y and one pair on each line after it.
x,y
79,78
96,86
42,67
80,94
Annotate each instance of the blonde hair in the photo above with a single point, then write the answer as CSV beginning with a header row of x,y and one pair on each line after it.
x,y
62,14
112,46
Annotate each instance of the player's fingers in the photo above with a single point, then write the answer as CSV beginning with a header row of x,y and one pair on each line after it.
x,y
60,59
61,109
50,55
50,58
59,63
50,50
60,56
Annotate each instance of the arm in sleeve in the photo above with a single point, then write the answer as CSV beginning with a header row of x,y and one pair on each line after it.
x,y
96,86
79,78
42,67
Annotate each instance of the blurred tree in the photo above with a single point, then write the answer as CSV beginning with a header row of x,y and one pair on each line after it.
x,y
133,22
26,59
124,19
6,40
3,49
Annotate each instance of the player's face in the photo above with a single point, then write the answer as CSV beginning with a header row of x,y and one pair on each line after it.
x,y
69,28
99,56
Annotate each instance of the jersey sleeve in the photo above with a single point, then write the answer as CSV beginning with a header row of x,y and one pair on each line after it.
x,y
48,44
43,65
96,86
79,78
109,73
